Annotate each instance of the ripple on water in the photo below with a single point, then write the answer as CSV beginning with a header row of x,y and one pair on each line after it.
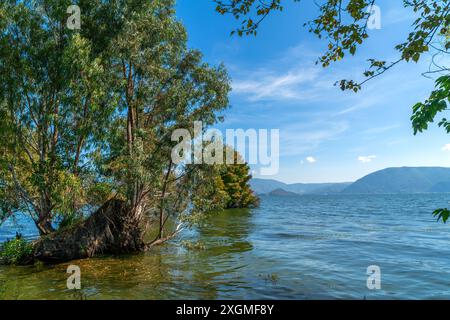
x,y
308,247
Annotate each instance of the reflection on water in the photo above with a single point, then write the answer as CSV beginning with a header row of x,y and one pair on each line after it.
x,y
171,271
290,248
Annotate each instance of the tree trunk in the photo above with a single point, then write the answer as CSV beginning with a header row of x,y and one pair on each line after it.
x,y
44,225
113,229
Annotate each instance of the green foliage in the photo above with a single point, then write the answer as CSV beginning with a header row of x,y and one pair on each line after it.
x,y
17,251
69,220
210,196
87,115
343,25
425,113
223,186
235,182
55,106
241,8
443,214
203,193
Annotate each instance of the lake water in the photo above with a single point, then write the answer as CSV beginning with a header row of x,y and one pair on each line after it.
x,y
305,247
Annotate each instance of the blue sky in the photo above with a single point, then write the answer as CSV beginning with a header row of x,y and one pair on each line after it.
x,y
326,135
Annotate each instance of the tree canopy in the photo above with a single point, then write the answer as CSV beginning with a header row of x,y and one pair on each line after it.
x,y
87,114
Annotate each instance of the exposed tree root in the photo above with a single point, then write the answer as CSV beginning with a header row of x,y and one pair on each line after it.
x,y
113,229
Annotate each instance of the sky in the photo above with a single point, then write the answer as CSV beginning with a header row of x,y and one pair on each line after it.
x,y
326,135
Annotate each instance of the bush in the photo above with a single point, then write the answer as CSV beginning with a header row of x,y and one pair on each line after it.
x,y
17,251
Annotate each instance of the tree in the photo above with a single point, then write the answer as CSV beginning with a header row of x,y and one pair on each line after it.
x,y
343,24
228,185
54,108
88,117
234,180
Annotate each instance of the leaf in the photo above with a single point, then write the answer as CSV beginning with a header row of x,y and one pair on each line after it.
x,y
443,214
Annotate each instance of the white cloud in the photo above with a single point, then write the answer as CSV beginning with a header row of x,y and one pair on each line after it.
x,y
446,147
363,105
311,159
277,85
291,76
366,159
398,15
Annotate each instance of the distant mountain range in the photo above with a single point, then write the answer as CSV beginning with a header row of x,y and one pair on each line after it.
x,y
262,186
390,180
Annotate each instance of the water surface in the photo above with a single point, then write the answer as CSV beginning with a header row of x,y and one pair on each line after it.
x,y
305,247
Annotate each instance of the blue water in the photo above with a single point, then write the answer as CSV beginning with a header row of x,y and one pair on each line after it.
x,y
305,247
21,224
326,243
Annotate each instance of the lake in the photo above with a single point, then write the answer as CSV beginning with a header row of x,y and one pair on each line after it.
x,y
305,247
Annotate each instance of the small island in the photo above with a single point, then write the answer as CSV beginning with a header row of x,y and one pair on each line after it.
x,y
282,193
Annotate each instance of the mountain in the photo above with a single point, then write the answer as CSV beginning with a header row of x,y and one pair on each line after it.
x,y
403,180
390,180
262,186
441,187
317,188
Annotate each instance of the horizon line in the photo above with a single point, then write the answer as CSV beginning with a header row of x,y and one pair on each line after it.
x,y
342,182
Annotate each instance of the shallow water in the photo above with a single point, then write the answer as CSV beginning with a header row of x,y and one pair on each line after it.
x,y
306,247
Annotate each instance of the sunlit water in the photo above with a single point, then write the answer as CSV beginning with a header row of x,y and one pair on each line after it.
x,y
306,247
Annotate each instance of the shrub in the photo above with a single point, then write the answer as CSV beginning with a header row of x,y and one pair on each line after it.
x,y
17,251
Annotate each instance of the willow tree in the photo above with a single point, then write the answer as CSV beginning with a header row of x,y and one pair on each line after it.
x,y
88,116
163,86
54,108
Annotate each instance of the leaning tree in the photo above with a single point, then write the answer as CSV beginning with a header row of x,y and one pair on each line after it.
x,y
87,117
